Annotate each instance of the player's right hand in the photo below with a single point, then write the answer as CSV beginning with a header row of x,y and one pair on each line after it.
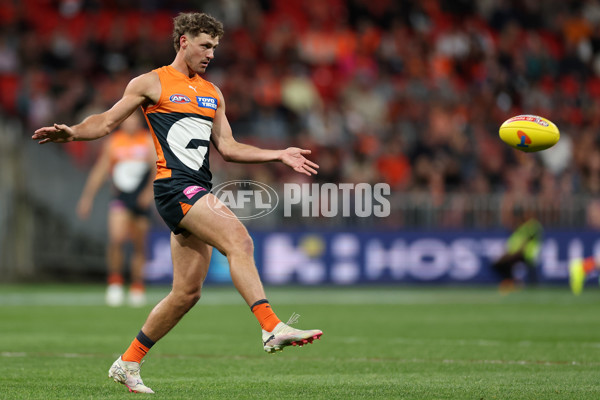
x,y
58,133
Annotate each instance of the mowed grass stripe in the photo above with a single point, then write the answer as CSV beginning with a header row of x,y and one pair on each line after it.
x,y
319,359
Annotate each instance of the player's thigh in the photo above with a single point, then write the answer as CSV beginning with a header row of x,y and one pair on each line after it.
x,y
191,258
211,221
119,220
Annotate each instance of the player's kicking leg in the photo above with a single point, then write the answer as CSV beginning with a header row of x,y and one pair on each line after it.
x,y
225,232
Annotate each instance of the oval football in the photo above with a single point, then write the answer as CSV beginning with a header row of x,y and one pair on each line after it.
x,y
529,133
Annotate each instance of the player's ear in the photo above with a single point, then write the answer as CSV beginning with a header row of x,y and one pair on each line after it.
x,y
183,41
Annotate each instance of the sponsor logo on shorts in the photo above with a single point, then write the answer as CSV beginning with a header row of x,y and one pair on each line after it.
x,y
190,191
207,102
179,98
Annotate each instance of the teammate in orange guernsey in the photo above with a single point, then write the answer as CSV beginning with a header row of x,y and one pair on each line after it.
x,y
128,156
185,113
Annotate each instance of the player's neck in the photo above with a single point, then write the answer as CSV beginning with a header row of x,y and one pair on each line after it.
x,y
180,65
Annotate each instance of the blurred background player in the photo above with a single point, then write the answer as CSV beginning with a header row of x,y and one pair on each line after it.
x,y
523,246
579,270
128,156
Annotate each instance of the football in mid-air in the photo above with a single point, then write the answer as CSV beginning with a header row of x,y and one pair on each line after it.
x,y
529,133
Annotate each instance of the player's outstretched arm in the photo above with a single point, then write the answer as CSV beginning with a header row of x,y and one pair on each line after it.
x,y
141,90
231,150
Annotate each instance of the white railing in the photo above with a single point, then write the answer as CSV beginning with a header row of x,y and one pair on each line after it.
x,y
420,210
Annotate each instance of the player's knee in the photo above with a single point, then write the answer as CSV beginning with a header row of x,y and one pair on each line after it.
x,y
244,245
191,299
239,244
247,244
187,299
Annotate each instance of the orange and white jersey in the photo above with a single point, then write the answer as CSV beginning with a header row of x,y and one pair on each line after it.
x,y
130,155
181,123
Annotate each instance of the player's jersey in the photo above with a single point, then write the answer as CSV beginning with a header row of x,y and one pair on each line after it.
x,y
181,123
129,155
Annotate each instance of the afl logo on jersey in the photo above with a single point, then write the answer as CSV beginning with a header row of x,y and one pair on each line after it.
x,y
179,99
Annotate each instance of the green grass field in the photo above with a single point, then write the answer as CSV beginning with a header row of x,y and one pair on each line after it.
x,y
57,342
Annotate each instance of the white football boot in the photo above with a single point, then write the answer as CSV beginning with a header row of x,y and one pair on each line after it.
x,y
284,335
128,373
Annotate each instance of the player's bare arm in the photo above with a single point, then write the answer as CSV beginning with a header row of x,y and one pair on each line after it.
x,y
231,150
143,90
97,176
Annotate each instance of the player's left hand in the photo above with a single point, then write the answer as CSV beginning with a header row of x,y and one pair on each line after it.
x,y
294,157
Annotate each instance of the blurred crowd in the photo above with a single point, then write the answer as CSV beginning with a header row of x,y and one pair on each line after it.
x,y
408,92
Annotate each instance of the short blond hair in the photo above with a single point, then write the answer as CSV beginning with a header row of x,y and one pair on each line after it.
x,y
194,24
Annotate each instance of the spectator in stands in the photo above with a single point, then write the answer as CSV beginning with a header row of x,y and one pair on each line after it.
x,y
373,68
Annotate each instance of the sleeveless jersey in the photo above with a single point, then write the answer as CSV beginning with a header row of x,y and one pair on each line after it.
x,y
129,156
181,124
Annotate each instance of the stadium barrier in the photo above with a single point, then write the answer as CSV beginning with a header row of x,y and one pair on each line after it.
x,y
400,257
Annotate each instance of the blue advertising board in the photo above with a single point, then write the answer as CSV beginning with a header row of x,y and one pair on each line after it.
x,y
407,257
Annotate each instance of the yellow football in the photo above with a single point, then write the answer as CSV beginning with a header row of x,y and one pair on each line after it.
x,y
529,133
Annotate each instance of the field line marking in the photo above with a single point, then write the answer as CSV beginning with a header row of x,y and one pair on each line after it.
x,y
9,354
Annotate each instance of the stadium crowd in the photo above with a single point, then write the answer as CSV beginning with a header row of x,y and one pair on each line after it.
x,y
407,92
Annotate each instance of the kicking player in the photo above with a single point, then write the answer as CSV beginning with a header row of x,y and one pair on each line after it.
x,y
129,156
185,113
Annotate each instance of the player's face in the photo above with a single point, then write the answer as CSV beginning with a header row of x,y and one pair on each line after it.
x,y
199,51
